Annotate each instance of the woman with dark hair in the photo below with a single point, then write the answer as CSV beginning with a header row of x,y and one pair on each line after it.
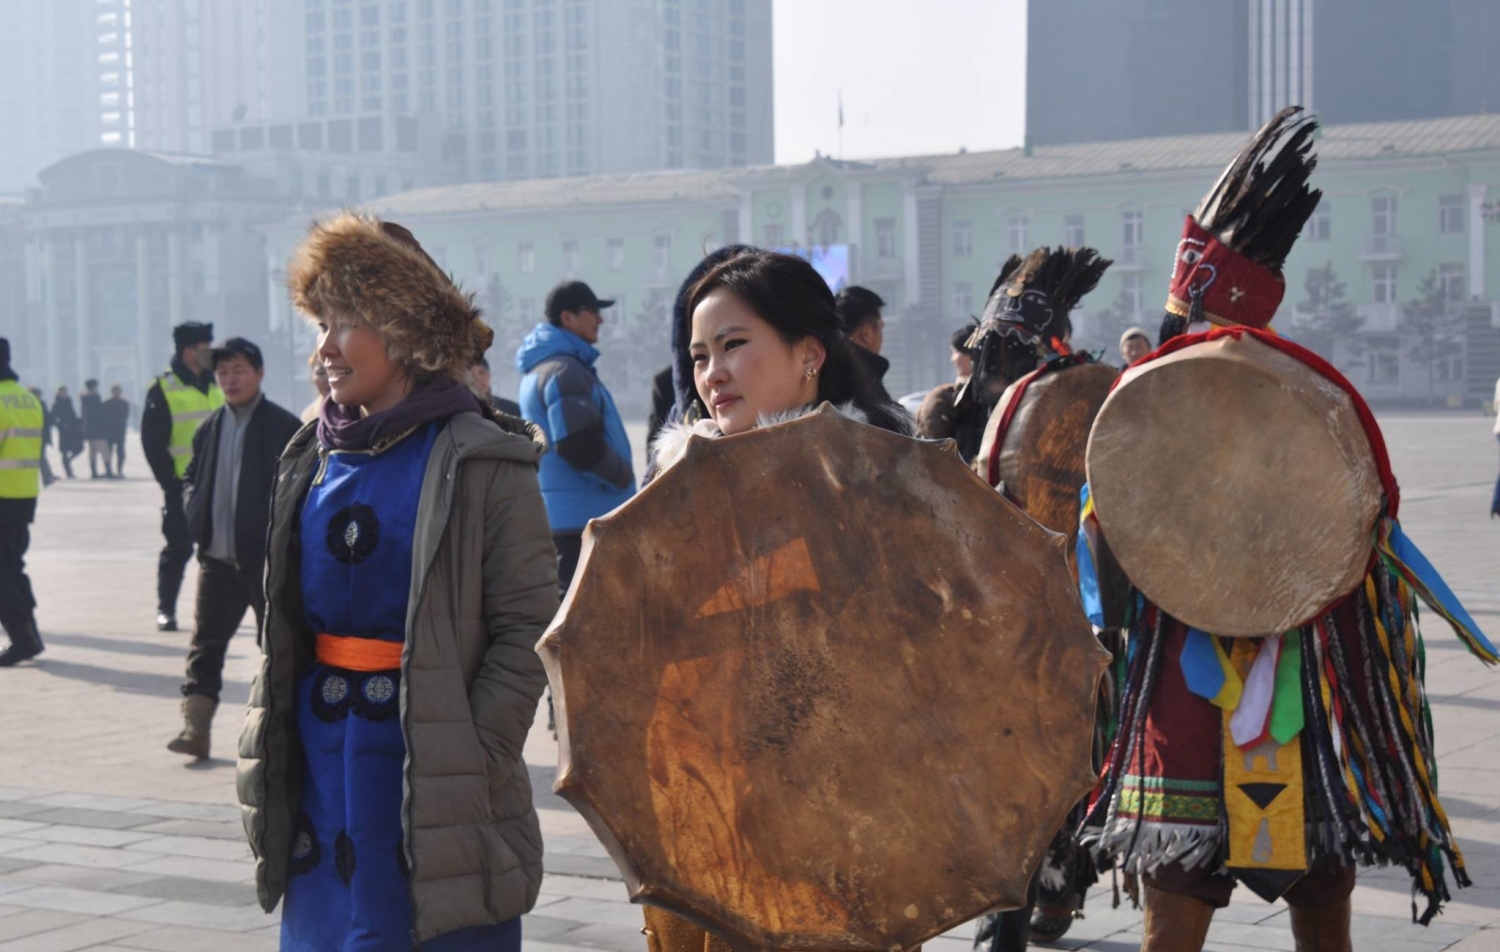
x,y
765,346
409,572
762,339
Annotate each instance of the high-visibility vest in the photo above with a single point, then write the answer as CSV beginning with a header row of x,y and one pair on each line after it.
x,y
189,407
20,442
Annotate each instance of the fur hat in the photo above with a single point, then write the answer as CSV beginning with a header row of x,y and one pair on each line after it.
x,y
358,265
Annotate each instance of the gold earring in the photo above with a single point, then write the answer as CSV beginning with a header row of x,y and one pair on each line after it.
x,y
811,373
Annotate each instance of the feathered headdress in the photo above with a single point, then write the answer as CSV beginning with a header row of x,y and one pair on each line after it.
x,y
1228,264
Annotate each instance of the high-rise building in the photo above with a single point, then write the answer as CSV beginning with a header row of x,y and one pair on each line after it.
x,y
1115,69
56,99
543,88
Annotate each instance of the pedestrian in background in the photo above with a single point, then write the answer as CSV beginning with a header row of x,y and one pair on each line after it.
x,y
859,311
178,401
116,423
69,430
589,470
1495,499
1135,343
20,483
318,374
227,500
95,430
383,628
480,380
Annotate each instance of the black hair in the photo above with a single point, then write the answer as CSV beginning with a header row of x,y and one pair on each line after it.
x,y
91,384
787,293
960,340
856,307
480,361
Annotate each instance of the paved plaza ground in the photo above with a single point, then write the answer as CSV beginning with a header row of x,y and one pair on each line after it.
x,y
109,842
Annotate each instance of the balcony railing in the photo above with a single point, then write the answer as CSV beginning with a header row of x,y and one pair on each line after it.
x,y
1382,248
1380,318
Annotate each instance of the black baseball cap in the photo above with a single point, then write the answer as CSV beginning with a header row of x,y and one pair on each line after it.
x,y
573,296
239,347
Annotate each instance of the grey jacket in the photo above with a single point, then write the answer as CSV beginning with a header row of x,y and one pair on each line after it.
x,y
483,587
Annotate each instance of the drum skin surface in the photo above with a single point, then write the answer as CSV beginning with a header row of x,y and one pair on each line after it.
x,y
819,687
1236,486
1041,462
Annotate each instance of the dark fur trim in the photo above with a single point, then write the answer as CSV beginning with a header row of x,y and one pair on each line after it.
x,y
352,264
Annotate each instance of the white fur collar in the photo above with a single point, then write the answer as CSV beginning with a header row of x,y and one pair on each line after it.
x,y
670,445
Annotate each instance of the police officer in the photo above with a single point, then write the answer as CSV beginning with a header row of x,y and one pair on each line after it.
x,y
20,481
177,402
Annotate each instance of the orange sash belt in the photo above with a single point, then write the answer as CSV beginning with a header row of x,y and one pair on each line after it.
x,y
359,654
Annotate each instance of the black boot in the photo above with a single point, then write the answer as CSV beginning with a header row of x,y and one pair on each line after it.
x,y
25,643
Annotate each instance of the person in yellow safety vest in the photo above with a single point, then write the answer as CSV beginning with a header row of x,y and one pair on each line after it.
x,y
20,482
177,402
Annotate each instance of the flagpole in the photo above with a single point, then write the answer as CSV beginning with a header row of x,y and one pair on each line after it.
x,y
841,125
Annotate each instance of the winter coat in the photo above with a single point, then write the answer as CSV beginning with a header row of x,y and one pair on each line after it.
x,y
483,587
876,367
69,427
266,435
91,406
590,473
116,419
156,425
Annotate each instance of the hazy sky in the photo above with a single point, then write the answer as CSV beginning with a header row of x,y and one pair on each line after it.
x,y
917,77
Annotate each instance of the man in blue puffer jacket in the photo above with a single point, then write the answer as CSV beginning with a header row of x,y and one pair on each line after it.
x,y
589,471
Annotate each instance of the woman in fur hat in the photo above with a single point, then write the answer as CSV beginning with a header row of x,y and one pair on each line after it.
x,y
410,571
759,331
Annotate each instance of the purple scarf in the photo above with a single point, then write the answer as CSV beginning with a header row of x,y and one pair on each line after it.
x,y
343,428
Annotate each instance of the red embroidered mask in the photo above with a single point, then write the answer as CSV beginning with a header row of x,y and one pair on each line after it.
x,y
1235,290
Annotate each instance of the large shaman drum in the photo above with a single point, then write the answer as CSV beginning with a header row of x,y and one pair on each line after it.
x,y
1236,485
820,688
1035,440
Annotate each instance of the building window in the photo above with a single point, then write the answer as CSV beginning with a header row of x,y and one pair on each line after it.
x,y
963,300
775,237
1383,284
1320,225
570,256
1133,292
1073,234
1132,237
963,239
1015,229
1383,363
885,237
526,258
1451,281
661,253
1451,215
616,254
1383,214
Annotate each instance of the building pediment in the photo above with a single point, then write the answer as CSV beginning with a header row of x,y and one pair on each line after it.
x,y
118,174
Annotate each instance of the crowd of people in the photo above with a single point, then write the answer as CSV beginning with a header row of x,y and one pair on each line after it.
x,y
405,544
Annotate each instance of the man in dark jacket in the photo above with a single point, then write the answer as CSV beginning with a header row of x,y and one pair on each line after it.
x,y
590,471
69,429
479,376
116,422
227,502
864,326
177,402
91,407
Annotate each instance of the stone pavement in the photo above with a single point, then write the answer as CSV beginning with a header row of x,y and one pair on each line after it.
x,y
109,842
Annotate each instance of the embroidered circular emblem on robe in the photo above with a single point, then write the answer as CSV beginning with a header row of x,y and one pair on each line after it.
x,y
305,852
330,695
353,533
377,698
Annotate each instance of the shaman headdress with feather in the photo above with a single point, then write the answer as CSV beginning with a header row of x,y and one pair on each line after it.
x,y
1026,316
1228,265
